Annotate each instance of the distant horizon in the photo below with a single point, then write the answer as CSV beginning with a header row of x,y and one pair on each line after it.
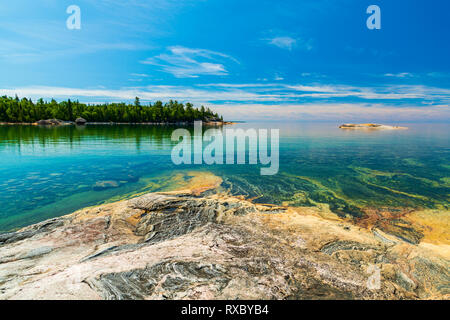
x,y
351,118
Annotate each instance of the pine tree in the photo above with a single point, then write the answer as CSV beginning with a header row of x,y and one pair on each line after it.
x,y
16,110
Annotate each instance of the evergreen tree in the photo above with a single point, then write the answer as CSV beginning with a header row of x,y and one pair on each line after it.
x,y
16,110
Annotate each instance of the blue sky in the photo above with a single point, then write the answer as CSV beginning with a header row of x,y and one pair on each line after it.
x,y
270,60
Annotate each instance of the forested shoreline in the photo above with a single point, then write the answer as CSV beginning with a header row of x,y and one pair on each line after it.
x,y
15,110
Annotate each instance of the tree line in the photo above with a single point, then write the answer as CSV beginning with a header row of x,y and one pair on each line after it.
x,y
24,110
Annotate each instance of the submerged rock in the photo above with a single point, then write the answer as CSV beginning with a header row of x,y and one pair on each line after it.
x,y
182,245
103,185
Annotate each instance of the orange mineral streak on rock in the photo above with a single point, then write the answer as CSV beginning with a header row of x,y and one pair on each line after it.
x,y
427,228
434,224
203,181
376,216
195,182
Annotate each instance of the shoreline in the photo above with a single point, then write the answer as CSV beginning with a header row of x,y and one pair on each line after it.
x,y
99,252
198,182
209,123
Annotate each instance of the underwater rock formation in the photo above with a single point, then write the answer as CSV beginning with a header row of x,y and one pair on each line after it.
x,y
103,185
184,245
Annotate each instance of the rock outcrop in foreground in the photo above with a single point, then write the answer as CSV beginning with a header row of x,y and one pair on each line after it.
x,y
182,245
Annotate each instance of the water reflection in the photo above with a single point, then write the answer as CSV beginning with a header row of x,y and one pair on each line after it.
x,y
47,172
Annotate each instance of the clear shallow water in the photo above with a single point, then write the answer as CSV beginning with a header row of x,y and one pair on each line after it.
x,y
47,172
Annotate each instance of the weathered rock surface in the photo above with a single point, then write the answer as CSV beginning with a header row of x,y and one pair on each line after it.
x,y
53,122
370,126
80,121
182,245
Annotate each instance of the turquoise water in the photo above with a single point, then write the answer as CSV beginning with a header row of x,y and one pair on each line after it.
x,y
48,172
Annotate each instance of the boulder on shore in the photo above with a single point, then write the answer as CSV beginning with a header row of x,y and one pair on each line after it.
x,y
53,122
80,121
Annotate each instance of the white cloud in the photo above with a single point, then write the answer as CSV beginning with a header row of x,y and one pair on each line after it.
x,y
312,75
140,75
276,100
278,78
289,43
399,75
185,62
268,92
342,112
283,42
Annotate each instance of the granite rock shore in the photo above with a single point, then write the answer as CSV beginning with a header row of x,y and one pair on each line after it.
x,y
191,245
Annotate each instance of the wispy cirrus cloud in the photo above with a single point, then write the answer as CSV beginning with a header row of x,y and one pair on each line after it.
x,y
276,100
399,75
289,43
342,112
140,75
283,42
338,92
184,62
253,92
278,78
43,41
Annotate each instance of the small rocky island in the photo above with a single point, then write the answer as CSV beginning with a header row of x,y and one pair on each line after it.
x,y
200,244
370,126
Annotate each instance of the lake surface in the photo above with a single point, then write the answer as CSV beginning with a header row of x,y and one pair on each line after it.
x,y
48,172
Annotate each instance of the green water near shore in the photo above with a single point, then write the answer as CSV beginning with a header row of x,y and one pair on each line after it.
x,y
48,172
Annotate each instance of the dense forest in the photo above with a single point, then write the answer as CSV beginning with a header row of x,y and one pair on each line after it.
x,y
25,110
